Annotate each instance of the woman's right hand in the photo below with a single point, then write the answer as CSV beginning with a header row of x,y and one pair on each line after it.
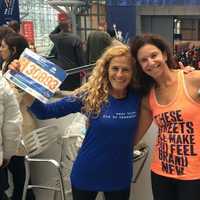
x,y
186,69
14,65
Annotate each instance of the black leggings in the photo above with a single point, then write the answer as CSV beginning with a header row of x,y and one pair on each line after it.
x,y
17,168
3,181
172,189
91,195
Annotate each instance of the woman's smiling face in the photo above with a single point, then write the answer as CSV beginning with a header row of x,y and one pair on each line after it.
x,y
120,74
152,60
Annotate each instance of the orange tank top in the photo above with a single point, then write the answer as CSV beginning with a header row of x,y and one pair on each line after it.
x,y
176,152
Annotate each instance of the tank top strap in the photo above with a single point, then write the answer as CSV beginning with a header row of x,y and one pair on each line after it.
x,y
183,91
181,82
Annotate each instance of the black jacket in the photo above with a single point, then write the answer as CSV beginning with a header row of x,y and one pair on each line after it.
x,y
69,49
69,54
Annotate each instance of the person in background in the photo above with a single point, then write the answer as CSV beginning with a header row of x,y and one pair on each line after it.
x,y
12,46
10,123
3,173
97,42
111,102
173,102
14,25
102,26
68,49
53,52
3,31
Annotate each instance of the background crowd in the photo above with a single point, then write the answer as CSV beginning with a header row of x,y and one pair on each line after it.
x,y
128,88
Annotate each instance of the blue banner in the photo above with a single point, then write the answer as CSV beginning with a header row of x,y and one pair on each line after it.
x,y
151,2
124,19
2,9
9,10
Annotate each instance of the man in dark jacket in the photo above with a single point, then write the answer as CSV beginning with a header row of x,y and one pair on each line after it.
x,y
69,53
97,42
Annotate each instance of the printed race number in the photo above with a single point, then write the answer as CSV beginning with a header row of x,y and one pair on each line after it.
x,y
35,72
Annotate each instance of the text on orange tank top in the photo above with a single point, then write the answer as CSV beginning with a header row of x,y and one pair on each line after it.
x,y
177,148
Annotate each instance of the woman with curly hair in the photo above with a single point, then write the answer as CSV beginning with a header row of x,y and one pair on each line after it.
x,y
109,99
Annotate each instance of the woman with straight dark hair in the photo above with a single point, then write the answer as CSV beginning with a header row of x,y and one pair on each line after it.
x,y
12,46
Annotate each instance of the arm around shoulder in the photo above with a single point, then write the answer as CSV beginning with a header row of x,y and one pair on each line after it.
x,y
192,81
145,120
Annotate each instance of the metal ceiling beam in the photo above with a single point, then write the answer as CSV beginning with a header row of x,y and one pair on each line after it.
x,y
65,2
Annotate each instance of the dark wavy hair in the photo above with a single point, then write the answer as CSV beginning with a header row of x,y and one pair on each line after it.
x,y
16,44
4,30
146,81
15,25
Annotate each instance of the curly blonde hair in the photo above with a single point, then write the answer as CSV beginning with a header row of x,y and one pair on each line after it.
x,y
96,89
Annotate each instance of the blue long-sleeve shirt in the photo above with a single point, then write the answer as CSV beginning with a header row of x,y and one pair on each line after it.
x,y
104,162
